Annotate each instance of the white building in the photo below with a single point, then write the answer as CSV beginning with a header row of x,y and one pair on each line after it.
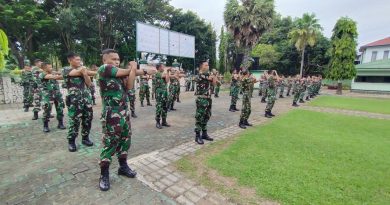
x,y
378,50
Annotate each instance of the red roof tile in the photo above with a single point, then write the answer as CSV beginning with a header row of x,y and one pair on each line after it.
x,y
382,42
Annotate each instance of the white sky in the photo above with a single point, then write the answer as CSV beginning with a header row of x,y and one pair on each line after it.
x,y
372,16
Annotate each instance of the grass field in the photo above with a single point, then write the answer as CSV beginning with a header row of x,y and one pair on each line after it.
x,y
362,104
307,157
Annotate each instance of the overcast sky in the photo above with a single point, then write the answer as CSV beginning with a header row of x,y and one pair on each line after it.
x,y
372,16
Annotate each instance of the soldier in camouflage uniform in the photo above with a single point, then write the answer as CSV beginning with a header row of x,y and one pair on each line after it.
x,y
78,100
51,94
132,98
234,90
114,84
246,83
272,76
264,89
144,91
37,95
218,84
188,83
174,88
153,87
192,82
162,78
27,83
289,85
203,101
282,85
296,90
303,89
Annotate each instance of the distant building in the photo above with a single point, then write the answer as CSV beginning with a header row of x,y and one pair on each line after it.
x,y
373,72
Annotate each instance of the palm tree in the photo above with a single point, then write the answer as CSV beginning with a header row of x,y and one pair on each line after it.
x,y
305,33
247,20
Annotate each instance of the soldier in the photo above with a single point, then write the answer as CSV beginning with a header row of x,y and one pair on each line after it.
x,y
153,87
247,81
296,90
188,83
162,78
271,76
37,95
132,99
115,114
303,89
92,87
261,82
144,90
203,101
174,88
234,89
282,85
78,100
264,89
218,84
27,83
193,82
289,85
51,94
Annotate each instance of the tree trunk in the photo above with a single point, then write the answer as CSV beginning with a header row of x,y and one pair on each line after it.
x,y
246,62
302,61
339,88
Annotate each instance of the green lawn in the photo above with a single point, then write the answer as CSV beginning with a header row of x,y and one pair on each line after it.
x,y
307,157
362,104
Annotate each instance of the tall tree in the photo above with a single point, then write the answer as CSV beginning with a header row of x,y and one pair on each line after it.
x,y
343,51
305,33
267,54
222,51
247,21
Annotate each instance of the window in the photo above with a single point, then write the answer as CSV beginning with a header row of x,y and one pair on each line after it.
x,y
386,55
373,56
373,79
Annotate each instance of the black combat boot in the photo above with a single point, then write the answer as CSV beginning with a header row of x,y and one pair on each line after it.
x,y
124,168
93,101
267,115
86,141
158,125
35,117
231,109
246,123
178,100
288,94
61,124
270,113
164,123
241,125
281,96
104,181
142,103
46,126
133,115
301,101
26,108
72,145
198,138
148,104
295,104
307,98
263,100
235,108
171,108
205,136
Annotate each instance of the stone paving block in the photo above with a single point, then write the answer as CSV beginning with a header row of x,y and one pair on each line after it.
x,y
192,196
184,200
199,191
167,182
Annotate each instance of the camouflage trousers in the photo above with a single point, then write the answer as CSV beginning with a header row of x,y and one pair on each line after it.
x,y
132,99
281,90
234,92
289,90
264,91
153,92
47,106
297,94
203,113
79,110
217,89
117,133
27,96
246,107
173,95
271,97
37,95
144,92
161,103
302,94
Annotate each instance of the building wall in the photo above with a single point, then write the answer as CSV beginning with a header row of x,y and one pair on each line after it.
x,y
367,54
370,86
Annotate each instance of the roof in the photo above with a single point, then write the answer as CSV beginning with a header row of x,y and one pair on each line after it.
x,y
382,42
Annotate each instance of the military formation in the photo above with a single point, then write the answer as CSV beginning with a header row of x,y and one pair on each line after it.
x,y
41,90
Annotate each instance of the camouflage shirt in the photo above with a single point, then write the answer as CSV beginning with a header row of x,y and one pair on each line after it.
x,y
271,82
144,80
160,81
27,77
203,84
246,84
49,87
112,89
35,73
75,84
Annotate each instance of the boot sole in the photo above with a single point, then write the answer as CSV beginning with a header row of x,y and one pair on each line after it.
x,y
122,174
